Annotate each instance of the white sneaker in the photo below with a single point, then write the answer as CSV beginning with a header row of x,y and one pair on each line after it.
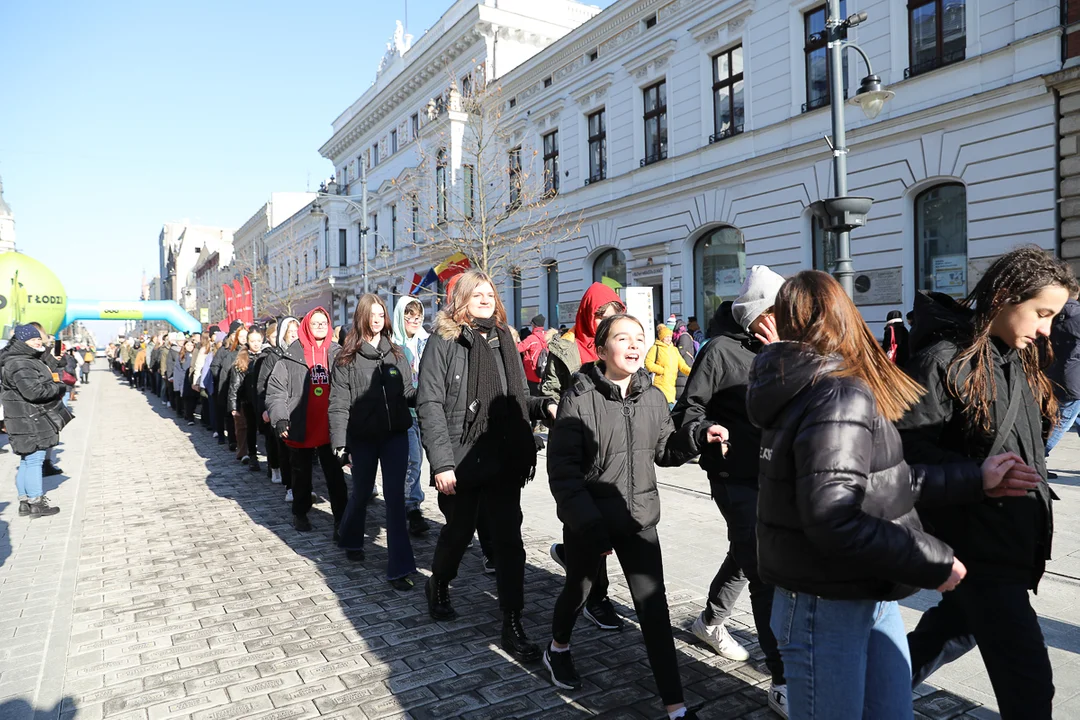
x,y
215,435
275,476
288,495
719,639
778,699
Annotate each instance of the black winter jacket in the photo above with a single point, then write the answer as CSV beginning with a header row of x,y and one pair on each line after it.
x,y
685,344
370,397
34,413
235,396
1006,539
287,389
441,406
1065,338
716,389
836,510
219,368
603,452
257,377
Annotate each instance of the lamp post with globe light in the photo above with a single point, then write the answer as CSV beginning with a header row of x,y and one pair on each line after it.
x,y
842,213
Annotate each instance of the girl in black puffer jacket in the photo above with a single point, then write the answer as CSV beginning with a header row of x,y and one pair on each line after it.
x,y
838,534
612,426
370,393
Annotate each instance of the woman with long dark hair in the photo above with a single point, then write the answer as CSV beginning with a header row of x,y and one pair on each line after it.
x,y
838,533
370,393
476,426
237,399
982,361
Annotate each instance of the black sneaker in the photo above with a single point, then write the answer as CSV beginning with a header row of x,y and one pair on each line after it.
x,y
561,667
42,508
417,524
402,584
603,615
558,554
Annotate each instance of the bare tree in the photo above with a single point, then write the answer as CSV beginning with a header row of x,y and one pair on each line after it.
x,y
481,186
285,275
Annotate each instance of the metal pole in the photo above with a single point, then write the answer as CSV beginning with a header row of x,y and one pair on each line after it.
x,y
363,222
255,280
844,271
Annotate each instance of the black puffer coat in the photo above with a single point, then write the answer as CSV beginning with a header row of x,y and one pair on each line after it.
x,y
441,404
1005,539
1065,337
603,450
716,389
836,510
370,397
34,413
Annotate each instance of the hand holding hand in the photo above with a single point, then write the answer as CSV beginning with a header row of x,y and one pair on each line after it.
x,y
958,573
446,482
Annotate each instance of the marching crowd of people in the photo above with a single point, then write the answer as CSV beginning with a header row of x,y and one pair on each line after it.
x,y
850,472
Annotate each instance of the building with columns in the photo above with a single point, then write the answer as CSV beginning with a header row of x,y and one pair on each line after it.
x,y
687,139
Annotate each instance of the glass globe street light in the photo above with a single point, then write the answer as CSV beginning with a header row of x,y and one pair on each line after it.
x,y
871,97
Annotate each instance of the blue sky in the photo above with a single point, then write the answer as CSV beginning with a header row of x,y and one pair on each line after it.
x,y
118,116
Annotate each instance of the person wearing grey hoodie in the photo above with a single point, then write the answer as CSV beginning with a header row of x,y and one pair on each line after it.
x,y
409,334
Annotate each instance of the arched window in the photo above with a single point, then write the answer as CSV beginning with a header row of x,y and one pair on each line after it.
x,y
610,268
719,270
941,242
551,275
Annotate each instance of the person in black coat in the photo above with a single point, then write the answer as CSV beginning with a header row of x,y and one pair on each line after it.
x,y
838,533
371,391
979,361
34,414
476,425
716,389
1065,372
219,369
277,453
896,341
612,426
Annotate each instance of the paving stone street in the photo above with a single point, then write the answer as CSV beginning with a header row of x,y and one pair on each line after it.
x,y
173,585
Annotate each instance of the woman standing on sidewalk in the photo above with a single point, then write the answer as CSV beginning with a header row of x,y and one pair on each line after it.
x,y
613,428
838,534
475,424
370,393
986,393
277,453
34,414
238,405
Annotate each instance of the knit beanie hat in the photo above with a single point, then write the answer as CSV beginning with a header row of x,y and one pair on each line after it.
x,y
663,332
538,321
234,326
757,294
26,332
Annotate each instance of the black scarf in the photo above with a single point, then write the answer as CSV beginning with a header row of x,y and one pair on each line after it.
x,y
487,407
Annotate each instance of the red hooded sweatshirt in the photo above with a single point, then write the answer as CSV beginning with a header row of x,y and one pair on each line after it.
x,y
316,356
597,296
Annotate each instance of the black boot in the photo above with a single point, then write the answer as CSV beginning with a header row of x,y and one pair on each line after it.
x,y
438,599
417,524
42,508
301,523
514,640
24,507
48,469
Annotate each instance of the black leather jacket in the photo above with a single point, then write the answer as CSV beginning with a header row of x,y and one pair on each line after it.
x,y
836,513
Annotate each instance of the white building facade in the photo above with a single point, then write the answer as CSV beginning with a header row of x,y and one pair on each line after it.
x,y
686,139
180,245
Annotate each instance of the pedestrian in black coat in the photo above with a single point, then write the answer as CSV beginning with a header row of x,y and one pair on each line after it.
x,y
896,341
838,534
716,389
34,415
1065,371
978,360
280,334
612,428
476,425
371,392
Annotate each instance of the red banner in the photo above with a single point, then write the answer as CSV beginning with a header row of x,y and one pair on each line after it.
x,y
248,313
228,304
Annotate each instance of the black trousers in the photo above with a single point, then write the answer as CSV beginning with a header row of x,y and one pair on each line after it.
x,y
997,617
252,431
502,507
738,504
301,460
642,563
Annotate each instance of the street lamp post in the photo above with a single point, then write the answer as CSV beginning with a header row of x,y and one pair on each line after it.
x,y
840,214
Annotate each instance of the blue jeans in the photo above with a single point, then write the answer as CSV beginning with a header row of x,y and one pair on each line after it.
x,y
843,658
1069,413
28,477
414,489
392,453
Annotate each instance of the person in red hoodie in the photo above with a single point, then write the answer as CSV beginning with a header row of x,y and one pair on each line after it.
x,y
566,355
298,402
531,349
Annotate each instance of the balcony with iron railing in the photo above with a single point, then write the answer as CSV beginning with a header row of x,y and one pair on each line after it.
x,y
654,157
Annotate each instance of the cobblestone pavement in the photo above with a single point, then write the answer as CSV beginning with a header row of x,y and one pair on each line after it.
x,y
172,585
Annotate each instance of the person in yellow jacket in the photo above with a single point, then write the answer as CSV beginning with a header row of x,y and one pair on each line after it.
x,y
665,362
